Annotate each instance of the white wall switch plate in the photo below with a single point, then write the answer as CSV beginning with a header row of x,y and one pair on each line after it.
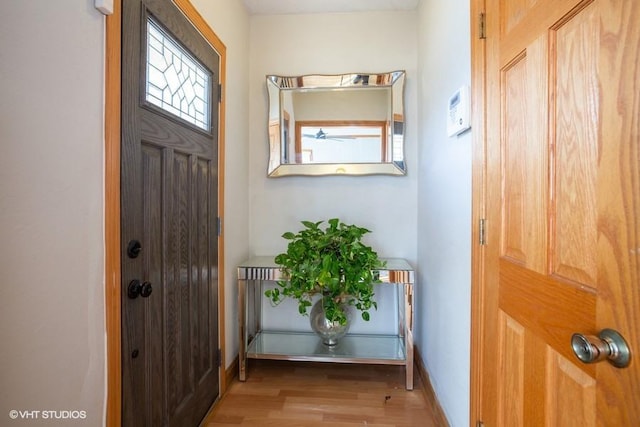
x,y
459,112
104,6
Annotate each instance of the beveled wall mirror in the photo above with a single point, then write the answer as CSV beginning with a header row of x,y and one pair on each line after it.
x,y
351,124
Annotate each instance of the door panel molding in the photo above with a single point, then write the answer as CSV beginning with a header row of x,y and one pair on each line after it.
x,y
113,242
542,315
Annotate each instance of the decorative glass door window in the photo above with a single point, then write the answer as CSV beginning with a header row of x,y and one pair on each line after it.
x,y
175,81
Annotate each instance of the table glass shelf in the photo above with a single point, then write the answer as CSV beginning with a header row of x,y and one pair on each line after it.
x,y
259,343
382,349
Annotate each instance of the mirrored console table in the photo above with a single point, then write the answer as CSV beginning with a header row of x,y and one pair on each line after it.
x,y
259,343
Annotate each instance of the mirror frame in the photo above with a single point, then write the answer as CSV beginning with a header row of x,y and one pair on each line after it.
x,y
279,125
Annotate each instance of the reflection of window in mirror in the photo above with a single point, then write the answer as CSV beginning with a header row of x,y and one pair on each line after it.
x,y
285,136
276,145
341,142
398,138
307,156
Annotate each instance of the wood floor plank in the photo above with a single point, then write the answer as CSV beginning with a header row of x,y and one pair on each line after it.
x,y
301,394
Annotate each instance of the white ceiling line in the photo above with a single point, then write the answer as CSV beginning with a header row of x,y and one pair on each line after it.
x,y
277,7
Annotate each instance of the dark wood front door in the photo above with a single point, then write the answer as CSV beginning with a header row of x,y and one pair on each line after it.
x,y
169,196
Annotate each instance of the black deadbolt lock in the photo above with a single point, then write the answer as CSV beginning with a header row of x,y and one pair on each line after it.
x,y
134,289
134,248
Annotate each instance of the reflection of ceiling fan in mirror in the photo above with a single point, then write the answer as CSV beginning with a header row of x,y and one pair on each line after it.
x,y
323,135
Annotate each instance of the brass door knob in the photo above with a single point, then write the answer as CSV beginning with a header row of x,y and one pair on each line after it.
x,y
608,345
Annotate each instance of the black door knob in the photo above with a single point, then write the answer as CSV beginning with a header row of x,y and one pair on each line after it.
x,y
146,289
136,288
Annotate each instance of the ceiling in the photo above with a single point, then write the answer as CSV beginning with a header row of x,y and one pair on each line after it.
x,y
277,7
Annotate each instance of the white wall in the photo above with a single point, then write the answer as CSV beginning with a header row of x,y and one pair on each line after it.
x,y
52,351
444,207
332,44
51,182
386,205
230,22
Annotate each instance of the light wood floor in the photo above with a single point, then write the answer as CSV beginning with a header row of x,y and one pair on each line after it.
x,y
301,394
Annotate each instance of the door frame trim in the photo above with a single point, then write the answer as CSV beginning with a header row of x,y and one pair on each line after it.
x,y
112,118
478,208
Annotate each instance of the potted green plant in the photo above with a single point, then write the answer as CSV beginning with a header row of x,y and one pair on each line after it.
x,y
334,264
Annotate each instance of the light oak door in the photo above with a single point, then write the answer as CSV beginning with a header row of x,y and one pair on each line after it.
x,y
562,253
169,209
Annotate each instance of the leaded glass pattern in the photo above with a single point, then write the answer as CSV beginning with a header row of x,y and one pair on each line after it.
x,y
176,82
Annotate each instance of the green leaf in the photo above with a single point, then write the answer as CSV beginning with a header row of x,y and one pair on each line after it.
x,y
311,225
332,261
